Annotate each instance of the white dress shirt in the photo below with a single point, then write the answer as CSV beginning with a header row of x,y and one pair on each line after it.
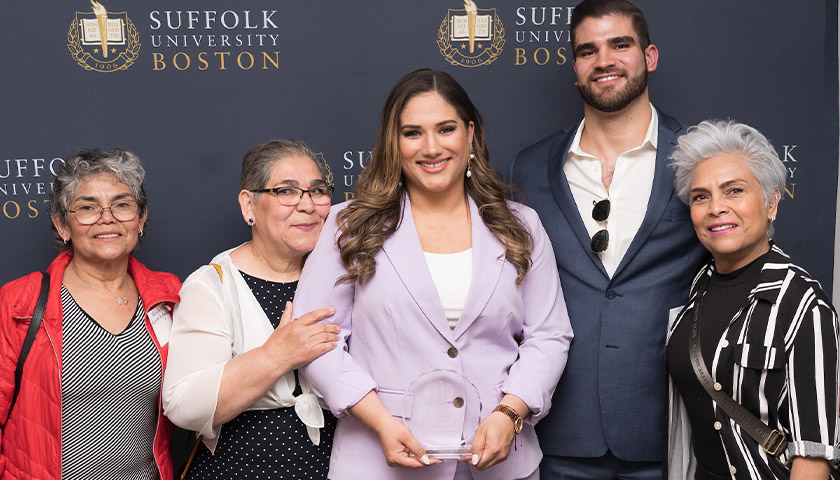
x,y
217,320
629,191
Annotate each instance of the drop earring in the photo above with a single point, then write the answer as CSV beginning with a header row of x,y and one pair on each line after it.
x,y
469,162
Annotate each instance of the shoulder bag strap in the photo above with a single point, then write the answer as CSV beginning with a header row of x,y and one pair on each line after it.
x,y
186,468
218,269
34,324
771,440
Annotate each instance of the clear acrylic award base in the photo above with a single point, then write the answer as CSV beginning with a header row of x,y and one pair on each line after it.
x,y
463,452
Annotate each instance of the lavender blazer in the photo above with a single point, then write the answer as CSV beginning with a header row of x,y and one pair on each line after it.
x,y
510,339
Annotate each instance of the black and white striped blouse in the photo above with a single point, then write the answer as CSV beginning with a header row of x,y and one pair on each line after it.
x,y
109,392
778,358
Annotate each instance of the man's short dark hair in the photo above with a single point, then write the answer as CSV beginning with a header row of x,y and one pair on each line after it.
x,y
599,8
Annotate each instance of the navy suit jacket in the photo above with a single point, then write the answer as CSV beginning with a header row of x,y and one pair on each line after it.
x,y
612,393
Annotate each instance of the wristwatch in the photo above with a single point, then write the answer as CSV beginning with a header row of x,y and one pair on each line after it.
x,y
514,417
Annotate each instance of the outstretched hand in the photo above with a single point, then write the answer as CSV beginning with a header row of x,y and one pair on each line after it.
x,y
298,343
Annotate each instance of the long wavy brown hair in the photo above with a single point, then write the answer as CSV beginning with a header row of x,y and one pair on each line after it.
x,y
376,212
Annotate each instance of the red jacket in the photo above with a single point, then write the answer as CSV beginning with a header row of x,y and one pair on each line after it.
x,y
30,445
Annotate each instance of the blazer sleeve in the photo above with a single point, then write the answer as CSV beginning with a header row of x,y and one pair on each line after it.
x,y
334,376
547,332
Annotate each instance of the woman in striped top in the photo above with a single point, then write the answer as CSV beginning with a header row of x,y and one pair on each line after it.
x,y
767,332
89,403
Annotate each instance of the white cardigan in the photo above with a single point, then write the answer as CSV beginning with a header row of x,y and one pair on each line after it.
x,y
215,322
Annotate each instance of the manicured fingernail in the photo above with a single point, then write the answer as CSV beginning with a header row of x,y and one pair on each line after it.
x,y
425,459
475,459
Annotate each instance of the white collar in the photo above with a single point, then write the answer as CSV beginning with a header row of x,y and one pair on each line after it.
x,y
651,135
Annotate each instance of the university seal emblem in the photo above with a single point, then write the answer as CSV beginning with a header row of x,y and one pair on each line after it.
x,y
471,37
103,41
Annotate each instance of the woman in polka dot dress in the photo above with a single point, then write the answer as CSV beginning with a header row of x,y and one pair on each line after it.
x,y
231,374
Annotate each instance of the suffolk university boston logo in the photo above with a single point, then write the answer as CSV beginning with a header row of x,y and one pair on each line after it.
x,y
471,37
103,41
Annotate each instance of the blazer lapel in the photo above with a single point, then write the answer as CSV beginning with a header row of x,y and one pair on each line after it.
x,y
488,255
566,201
406,255
661,191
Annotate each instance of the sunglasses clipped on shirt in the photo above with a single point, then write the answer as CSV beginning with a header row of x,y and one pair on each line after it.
x,y
600,213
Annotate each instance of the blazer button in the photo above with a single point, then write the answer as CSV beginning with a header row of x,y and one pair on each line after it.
x,y
718,426
732,469
452,352
724,343
458,402
718,386
611,294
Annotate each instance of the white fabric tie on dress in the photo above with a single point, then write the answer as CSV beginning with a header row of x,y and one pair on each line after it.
x,y
308,409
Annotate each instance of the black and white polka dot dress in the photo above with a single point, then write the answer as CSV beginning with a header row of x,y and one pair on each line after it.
x,y
267,444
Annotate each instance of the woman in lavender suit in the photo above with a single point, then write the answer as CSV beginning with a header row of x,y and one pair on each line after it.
x,y
430,269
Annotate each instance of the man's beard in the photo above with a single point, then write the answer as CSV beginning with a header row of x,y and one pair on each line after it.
x,y
611,100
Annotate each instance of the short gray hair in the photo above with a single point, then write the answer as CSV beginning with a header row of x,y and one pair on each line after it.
x,y
257,163
717,137
85,164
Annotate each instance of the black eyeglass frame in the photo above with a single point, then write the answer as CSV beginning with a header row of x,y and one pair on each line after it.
x,y
276,192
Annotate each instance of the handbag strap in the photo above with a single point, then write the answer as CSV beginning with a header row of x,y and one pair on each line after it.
x,y
34,324
771,440
186,468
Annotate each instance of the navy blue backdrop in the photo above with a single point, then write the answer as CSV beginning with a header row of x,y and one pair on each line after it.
x,y
190,85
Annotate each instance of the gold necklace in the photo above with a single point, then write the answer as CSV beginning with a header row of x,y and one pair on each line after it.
x,y
120,300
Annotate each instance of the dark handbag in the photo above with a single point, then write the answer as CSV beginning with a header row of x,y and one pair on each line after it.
x,y
34,324
772,441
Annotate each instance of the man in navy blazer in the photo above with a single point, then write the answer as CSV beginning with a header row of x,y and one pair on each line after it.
x,y
625,247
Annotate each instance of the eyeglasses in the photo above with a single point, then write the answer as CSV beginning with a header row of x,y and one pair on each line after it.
x,y
291,196
600,213
90,213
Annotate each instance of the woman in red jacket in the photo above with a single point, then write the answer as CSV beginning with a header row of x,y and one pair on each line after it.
x,y
89,399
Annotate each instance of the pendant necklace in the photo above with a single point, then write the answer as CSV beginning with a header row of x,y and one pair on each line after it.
x,y
120,300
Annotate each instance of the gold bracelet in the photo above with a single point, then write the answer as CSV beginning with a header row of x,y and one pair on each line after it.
x,y
514,417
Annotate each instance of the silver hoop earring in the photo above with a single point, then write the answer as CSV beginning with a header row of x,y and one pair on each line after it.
x,y
250,222
65,240
140,233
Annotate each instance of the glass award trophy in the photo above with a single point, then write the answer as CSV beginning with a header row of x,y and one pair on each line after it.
x,y
442,408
